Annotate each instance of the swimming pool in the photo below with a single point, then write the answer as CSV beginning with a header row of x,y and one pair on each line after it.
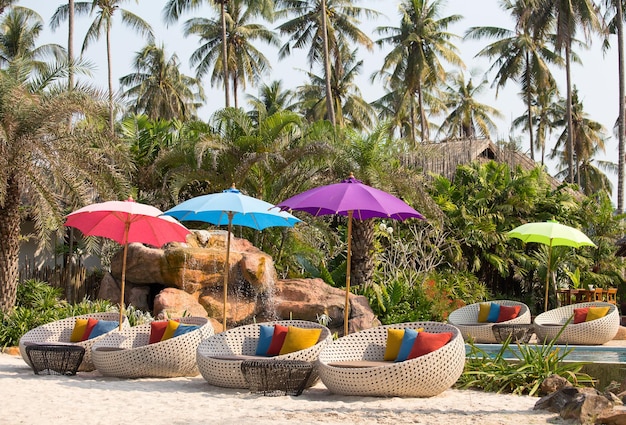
x,y
579,353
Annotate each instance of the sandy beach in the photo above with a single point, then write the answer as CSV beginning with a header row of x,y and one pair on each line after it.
x,y
90,399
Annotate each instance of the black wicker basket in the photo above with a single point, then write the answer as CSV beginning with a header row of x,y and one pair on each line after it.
x,y
517,333
276,377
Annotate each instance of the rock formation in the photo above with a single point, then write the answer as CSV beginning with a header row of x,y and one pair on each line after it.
x,y
188,278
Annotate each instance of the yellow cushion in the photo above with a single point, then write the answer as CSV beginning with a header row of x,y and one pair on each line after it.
x,y
171,327
394,340
299,339
79,330
483,313
596,313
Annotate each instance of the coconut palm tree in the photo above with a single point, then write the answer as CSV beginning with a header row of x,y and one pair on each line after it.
x,y
158,89
271,99
45,166
325,27
246,63
102,24
520,55
568,17
467,118
418,45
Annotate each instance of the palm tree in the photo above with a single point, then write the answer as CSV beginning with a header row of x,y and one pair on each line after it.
x,y
418,45
104,10
616,26
346,99
567,17
326,26
245,63
158,89
271,99
520,55
44,165
467,118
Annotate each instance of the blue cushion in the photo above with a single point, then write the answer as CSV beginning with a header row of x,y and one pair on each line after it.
x,y
265,339
407,344
494,312
183,329
103,327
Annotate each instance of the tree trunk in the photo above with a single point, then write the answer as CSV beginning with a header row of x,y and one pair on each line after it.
x,y
110,71
423,122
70,43
529,106
10,246
570,124
329,93
225,54
622,99
362,262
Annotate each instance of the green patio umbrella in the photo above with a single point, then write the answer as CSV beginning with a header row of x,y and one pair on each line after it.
x,y
550,233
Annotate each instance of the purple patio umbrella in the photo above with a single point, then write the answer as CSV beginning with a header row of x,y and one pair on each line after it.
x,y
353,199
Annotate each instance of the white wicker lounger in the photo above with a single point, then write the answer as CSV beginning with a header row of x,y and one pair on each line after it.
x,y
595,332
127,354
424,376
60,331
220,356
466,319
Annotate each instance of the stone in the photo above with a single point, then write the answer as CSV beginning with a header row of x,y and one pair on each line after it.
x,y
172,302
621,333
616,416
585,407
553,383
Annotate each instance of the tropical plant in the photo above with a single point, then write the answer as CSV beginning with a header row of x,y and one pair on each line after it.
x,y
158,89
104,10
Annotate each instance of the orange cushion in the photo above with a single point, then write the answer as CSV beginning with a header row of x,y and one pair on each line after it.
x,y
79,330
91,323
170,329
298,339
596,313
580,314
280,333
508,313
427,342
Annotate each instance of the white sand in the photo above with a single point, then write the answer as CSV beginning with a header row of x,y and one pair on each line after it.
x,y
89,399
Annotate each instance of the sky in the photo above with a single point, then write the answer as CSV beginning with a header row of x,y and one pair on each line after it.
x,y
595,79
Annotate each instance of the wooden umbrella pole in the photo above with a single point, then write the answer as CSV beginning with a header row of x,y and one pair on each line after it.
x,y
548,271
123,274
227,265
346,310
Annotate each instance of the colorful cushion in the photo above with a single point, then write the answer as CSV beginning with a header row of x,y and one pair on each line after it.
x,y
406,345
280,333
494,312
79,330
300,339
183,329
103,327
508,312
596,313
483,312
265,339
157,329
91,323
427,342
394,340
580,314
171,327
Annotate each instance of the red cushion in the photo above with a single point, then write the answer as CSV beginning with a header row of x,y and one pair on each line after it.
x,y
508,313
91,323
580,314
427,342
280,333
157,329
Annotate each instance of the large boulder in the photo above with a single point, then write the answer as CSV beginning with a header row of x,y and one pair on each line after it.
x,y
189,279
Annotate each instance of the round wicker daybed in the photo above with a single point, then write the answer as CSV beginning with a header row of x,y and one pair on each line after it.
x,y
127,354
220,356
60,331
599,331
423,376
466,319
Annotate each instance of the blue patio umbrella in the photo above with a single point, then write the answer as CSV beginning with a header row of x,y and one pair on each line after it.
x,y
231,207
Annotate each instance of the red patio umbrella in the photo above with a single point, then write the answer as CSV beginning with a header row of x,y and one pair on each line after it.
x,y
350,198
126,222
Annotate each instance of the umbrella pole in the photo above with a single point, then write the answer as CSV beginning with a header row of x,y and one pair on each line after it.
x,y
346,309
227,264
548,271
123,285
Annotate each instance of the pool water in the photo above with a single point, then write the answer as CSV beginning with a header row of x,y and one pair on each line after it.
x,y
579,353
